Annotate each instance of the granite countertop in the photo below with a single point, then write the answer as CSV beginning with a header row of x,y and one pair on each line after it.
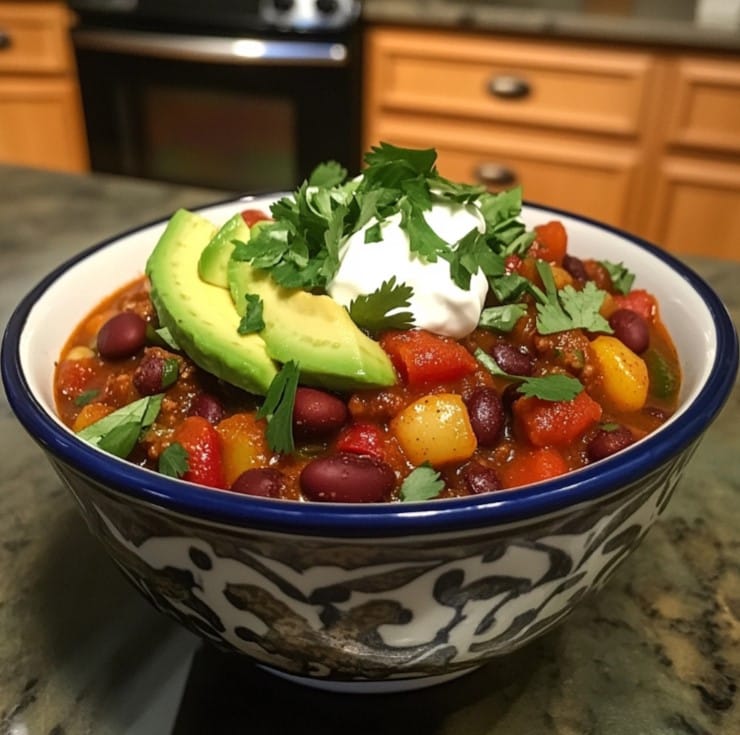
x,y
661,22
655,653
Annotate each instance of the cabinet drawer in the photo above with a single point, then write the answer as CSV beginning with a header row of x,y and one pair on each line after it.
x,y
554,85
589,179
706,110
33,38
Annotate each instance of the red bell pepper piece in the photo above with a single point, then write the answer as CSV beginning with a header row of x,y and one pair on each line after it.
x,y
639,301
551,242
250,216
361,439
422,357
557,423
532,465
201,441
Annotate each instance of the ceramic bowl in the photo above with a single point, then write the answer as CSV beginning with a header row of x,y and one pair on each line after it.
x,y
373,597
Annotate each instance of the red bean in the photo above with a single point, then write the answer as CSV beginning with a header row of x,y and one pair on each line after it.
x,y
265,482
608,441
317,414
631,329
149,374
512,360
122,336
347,478
207,406
575,267
480,479
486,413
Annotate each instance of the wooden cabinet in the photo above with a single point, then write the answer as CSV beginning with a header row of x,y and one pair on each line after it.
x,y
620,134
41,121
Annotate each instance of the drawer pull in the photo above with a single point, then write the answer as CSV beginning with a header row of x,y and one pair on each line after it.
x,y
494,174
5,40
509,87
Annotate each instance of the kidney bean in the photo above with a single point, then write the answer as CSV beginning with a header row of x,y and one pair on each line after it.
x,y
317,414
480,479
486,413
575,267
631,329
512,360
347,478
148,377
122,336
207,406
606,442
265,482
511,394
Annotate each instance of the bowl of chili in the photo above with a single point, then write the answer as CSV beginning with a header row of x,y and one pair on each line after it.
x,y
449,546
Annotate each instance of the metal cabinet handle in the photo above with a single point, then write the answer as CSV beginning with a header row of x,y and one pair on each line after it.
x,y
495,174
506,86
5,40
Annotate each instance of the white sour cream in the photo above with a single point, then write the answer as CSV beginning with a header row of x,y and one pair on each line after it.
x,y
438,305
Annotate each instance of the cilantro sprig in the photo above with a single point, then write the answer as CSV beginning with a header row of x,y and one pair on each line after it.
x,y
422,483
382,309
174,461
555,387
277,408
118,432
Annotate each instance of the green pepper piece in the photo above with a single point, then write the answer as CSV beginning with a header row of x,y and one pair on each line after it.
x,y
664,379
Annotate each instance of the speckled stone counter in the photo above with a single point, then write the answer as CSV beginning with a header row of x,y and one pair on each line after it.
x,y
661,22
656,653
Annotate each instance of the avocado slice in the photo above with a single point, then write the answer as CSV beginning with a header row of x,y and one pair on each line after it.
x,y
201,316
215,256
314,330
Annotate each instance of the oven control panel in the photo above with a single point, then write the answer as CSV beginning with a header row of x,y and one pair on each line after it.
x,y
310,15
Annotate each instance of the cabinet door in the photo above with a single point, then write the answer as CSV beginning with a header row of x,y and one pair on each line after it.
x,y
40,124
697,208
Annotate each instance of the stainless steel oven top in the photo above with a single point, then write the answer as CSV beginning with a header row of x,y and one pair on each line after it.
x,y
285,16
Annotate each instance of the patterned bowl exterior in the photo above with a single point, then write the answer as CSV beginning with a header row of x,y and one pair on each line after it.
x,y
368,609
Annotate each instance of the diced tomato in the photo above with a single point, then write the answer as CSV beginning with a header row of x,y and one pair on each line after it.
x,y
361,439
532,465
557,423
74,376
422,357
250,216
201,441
551,242
639,301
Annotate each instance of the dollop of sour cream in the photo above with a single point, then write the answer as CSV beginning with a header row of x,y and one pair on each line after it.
x,y
437,304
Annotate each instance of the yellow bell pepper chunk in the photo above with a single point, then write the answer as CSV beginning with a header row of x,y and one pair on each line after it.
x,y
435,429
624,375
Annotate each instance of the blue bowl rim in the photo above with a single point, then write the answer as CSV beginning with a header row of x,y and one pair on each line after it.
x,y
590,484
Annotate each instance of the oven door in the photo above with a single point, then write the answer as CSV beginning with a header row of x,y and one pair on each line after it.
x,y
236,114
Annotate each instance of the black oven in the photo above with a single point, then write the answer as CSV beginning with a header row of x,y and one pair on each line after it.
x,y
231,94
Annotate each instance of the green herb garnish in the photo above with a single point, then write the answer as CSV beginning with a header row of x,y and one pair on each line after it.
x,y
555,387
564,309
253,320
118,432
622,279
170,372
277,408
174,460
502,318
161,337
422,483
373,311
86,397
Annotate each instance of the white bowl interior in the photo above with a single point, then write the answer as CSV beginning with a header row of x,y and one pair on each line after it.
x,y
69,299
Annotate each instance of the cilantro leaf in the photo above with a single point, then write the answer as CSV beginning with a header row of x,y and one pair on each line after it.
x,y
379,310
502,318
327,174
170,372
559,311
253,320
174,460
422,483
118,432
556,387
161,337
423,240
86,397
418,161
622,279
277,408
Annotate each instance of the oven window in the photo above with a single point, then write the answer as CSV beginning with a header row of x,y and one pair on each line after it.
x,y
219,138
